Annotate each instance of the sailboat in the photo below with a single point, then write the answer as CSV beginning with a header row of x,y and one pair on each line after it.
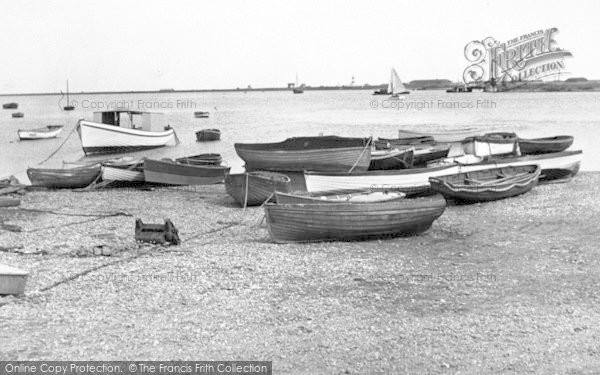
x,y
396,87
297,89
68,107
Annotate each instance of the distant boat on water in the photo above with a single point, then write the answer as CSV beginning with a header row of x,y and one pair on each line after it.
x,y
50,131
396,87
297,89
10,105
68,107
18,115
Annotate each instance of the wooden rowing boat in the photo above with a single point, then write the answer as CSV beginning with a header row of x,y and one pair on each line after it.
x,y
536,146
554,166
391,159
50,131
352,221
325,153
487,185
492,144
254,188
384,143
170,172
124,169
208,135
69,178
201,159
366,196
455,135
10,105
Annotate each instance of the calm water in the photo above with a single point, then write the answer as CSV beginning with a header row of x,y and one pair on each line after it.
x,y
274,116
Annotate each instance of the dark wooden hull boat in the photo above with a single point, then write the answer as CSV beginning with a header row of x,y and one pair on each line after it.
x,y
10,105
545,145
254,188
352,221
325,153
71,178
205,135
298,91
384,143
18,115
202,159
201,114
425,154
169,172
366,196
50,131
487,185
391,159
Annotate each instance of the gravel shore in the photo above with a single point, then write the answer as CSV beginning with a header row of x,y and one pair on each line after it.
x,y
504,287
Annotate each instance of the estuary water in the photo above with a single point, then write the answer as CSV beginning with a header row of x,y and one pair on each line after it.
x,y
269,116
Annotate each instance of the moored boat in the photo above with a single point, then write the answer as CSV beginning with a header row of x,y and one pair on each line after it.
x,y
352,221
383,143
10,105
201,159
536,146
396,87
18,115
50,131
488,184
366,196
324,153
208,135
391,159
201,114
170,172
449,136
69,178
124,130
254,188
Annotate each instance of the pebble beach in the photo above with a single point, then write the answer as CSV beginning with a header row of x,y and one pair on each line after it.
x,y
501,287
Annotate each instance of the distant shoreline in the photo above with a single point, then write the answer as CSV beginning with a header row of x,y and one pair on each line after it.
x,y
558,86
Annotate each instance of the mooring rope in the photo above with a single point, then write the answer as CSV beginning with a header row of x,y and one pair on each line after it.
x,y
361,154
62,144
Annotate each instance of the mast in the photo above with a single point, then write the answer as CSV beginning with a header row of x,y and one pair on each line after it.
x,y
68,101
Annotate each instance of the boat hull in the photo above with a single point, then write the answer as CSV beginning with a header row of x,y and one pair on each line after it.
x,y
170,173
444,137
545,145
349,197
308,153
553,166
391,159
261,186
102,138
352,221
487,145
208,135
44,133
71,178
462,188
122,174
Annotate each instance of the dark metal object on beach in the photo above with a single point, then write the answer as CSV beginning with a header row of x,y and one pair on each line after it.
x,y
157,233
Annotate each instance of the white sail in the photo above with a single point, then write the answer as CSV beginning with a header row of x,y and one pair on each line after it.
x,y
396,86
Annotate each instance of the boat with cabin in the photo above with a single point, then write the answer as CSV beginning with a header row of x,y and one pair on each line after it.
x,y
125,130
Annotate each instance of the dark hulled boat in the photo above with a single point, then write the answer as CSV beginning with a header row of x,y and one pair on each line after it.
x,y
170,172
201,159
205,135
10,105
254,188
487,185
70,178
391,159
536,146
324,153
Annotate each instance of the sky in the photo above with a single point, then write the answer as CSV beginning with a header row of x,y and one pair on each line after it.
x,y
155,44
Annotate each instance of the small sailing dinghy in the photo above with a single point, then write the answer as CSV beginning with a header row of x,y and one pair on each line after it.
x,y
396,87
69,106
50,131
